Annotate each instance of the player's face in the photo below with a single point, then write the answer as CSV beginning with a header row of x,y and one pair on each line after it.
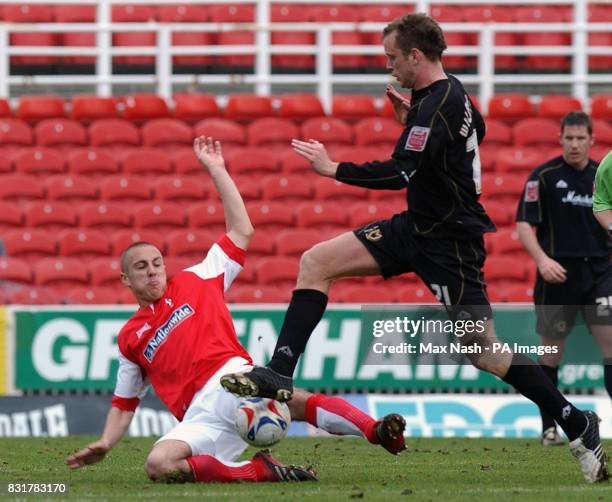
x,y
576,142
402,66
145,274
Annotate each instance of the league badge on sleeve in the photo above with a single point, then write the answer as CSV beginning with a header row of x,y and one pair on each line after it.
x,y
532,191
417,138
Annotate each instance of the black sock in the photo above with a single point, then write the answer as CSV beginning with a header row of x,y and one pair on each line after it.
x,y
304,313
608,375
552,374
528,378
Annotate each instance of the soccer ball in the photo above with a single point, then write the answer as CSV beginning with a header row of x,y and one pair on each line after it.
x,y
262,422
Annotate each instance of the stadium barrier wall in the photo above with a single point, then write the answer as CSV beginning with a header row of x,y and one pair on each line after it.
x,y
58,349
426,415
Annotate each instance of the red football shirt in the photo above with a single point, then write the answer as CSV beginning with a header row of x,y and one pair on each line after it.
x,y
181,340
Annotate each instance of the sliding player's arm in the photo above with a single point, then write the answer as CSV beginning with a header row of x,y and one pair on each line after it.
x,y
130,387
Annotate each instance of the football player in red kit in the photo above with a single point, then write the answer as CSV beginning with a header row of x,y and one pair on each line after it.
x,y
182,340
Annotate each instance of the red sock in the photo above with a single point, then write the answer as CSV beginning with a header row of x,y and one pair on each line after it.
x,y
207,469
336,412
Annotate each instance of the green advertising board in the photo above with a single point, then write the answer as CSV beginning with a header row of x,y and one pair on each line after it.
x,y
73,348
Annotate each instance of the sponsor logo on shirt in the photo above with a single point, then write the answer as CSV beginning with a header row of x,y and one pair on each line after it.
x,y
417,138
145,327
561,184
162,333
532,192
578,200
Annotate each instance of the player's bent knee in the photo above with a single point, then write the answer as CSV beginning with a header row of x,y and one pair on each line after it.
x,y
311,265
161,469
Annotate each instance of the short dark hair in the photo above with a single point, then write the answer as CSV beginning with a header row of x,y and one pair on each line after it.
x,y
123,259
418,31
577,119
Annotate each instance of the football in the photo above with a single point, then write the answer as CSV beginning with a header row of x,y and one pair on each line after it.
x,y
262,422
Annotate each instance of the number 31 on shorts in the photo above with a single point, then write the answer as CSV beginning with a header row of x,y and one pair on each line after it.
x,y
603,305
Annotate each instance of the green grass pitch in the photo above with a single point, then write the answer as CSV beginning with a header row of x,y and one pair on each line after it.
x,y
349,468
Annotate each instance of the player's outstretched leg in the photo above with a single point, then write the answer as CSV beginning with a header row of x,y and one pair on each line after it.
x,y
259,382
337,416
262,467
587,448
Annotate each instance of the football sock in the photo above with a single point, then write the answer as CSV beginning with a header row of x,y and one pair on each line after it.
x,y
207,469
608,375
304,313
337,416
552,374
528,378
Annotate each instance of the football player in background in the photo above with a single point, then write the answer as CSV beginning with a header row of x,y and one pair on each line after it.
x,y
182,340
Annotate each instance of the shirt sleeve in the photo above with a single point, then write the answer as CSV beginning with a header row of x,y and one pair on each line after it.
x,y
602,198
531,202
223,258
130,386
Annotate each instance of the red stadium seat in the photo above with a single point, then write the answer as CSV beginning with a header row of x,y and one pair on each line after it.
x,y
60,132
293,242
520,293
294,61
498,185
228,132
185,162
124,188
104,216
14,133
141,107
29,243
270,216
556,106
232,13
332,190
34,296
300,107
487,13
122,239
599,13
363,213
335,14
183,13
320,214
361,154
497,133
79,39
256,160
540,14
603,130
20,187
353,106
5,108
180,189
506,242
35,108
383,13
328,130
519,159
71,188
510,107
292,163
176,264
417,293
75,13
597,63
190,243
167,133
598,152
247,107
540,63
271,132
126,297
159,215
35,39
261,245
39,160
257,294
192,107
208,215
145,161
15,270
601,106
370,294
92,161
24,13
89,108
247,188
539,132
113,133
11,216
501,214
132,13
202,39
50,215
286,188
377,131
61,273
135,39
85,295
83,243
348,61
105,271
505,268
236,38
291,13
277,270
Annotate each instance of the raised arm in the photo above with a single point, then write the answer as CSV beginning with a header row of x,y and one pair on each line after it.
x,y
237,222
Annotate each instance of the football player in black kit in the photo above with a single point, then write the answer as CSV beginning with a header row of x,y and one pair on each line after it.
x,y
439,238
556,225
